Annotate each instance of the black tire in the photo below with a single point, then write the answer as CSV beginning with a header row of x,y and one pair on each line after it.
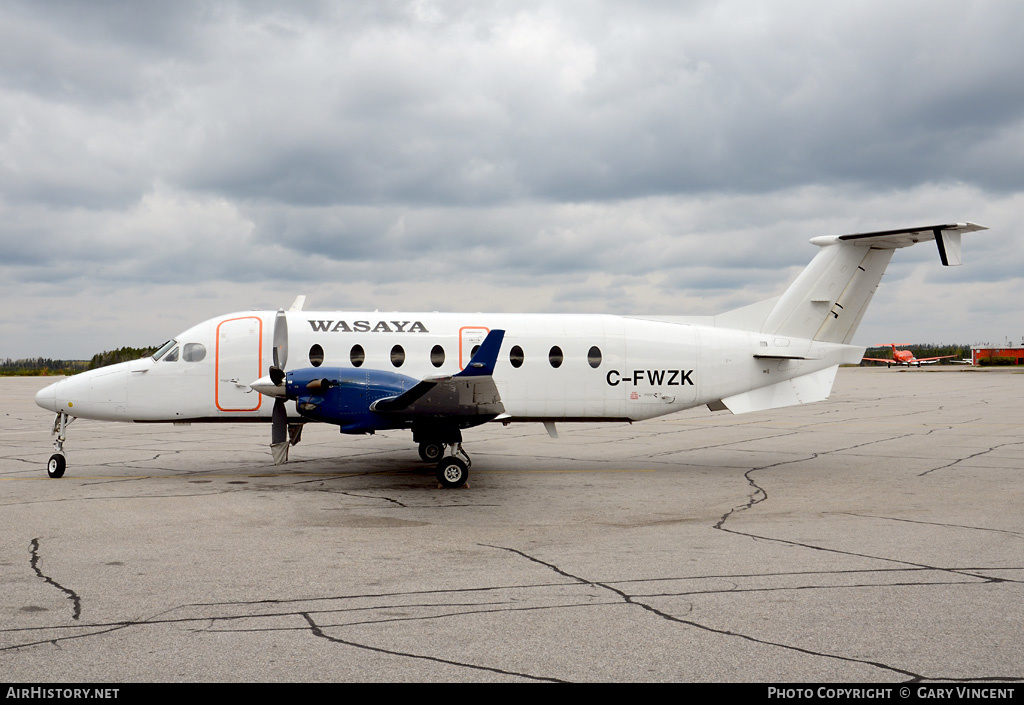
x,y
55,468
452,472
431,452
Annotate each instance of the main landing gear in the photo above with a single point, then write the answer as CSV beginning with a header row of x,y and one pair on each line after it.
x,y
57,463
443,445
452,472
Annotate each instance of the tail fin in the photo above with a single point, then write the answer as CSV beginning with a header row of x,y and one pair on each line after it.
x,y
828,300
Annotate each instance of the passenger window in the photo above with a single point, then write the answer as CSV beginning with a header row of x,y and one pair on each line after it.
x,y
555,357
316,355
594,357
172,356
357,356
397,356
437,356
515,356
193,352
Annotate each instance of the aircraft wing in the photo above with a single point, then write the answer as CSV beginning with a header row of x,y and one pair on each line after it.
x,y
880,359
471,392
931,359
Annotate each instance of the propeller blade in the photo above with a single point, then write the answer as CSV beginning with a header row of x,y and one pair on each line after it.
x,y
280,340
276,375
279,432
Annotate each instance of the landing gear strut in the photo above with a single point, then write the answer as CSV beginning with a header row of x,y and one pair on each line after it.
x,y
453,472
57,463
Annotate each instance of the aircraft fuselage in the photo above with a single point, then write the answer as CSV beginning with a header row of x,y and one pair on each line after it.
x,y
550,366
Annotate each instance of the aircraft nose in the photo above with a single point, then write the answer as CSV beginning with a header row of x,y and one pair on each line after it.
x,y
47,397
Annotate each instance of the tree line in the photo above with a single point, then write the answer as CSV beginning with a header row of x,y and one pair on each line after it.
x,y
51,366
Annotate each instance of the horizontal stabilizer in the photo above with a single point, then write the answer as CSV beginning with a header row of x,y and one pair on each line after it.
x,y
947,238
799,390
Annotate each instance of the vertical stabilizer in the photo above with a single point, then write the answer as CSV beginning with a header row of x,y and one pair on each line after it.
x,y
828,300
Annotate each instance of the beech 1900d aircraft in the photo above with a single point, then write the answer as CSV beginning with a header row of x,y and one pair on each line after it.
x,y
439,373
905,357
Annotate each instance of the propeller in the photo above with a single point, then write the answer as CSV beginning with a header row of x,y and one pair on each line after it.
x,y
279,417
274,384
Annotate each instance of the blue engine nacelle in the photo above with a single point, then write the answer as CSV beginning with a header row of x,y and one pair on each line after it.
x,y
342,396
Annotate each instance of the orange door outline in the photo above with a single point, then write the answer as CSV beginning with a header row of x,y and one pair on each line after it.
x,y
259,364
462,360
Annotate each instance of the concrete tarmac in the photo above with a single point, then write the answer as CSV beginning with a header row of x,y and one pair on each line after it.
x,y
874,537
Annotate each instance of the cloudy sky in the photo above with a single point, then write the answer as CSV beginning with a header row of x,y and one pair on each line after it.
x,y
162,163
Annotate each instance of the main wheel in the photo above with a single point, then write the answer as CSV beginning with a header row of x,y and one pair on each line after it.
x,y
452,472
55,468
431,452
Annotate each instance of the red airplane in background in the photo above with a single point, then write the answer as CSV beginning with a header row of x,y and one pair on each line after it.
x,y
905,357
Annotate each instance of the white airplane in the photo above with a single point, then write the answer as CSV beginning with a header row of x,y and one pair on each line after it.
x,y
439,373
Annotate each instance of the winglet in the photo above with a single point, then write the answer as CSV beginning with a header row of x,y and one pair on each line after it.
x,y
482,364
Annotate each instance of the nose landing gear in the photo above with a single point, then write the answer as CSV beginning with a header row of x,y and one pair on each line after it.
x,y
57,463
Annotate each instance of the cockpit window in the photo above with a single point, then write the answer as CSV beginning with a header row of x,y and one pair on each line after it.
x,y
172,356
162,350
193,352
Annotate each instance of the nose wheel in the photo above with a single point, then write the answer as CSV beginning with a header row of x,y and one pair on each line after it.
x,y
55,467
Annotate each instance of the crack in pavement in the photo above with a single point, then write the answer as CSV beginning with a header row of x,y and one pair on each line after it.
x,y
632,600
969,457
313,619
317,631
76,601
760,495
1017,534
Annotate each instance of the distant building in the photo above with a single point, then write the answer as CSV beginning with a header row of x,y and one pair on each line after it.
x,y
1013,352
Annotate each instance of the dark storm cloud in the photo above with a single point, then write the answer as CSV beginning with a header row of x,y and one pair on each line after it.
x,y
643,153
514,107
433,104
